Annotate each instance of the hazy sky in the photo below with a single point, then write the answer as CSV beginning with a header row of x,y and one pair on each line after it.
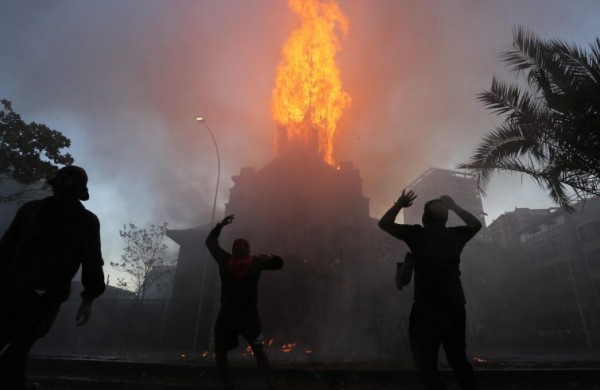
x,y
125,79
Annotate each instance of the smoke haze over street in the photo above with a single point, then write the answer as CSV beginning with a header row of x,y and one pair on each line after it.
x,y
124,81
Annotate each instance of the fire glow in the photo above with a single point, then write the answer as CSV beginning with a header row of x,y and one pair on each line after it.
x,y
308,99
288,347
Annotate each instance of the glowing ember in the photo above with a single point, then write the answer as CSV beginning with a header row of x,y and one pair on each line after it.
x,y
288,347
308,99
249,351
480,360
270,342
308,351
205,353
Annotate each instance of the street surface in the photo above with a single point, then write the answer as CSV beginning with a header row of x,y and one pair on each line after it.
x,y
89,374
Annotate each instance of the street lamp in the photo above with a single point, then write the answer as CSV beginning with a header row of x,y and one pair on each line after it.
x,y
202,120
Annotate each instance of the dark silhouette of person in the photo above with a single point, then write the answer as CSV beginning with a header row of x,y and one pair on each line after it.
x,y
239,273
438,313
42,250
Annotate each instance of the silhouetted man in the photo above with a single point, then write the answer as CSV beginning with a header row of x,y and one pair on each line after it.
x,y
438,312
239,274
46,243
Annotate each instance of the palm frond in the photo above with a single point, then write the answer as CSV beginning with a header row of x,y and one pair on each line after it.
x,y
595,55
551,130
528,52
542,176
503,98
577,63
505,143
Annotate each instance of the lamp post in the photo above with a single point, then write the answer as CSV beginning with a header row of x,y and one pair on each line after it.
x,y
202,120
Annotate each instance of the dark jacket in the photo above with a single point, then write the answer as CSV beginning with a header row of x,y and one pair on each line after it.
x,y
44,247
436,252
239,277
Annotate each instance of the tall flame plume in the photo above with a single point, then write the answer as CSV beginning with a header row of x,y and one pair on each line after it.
x,y
308,100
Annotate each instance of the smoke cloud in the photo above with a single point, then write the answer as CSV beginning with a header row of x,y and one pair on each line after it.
x,y
124,80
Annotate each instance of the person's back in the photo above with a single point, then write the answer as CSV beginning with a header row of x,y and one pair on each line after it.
x,y
44,249
240,276
438,313
239,273
436,252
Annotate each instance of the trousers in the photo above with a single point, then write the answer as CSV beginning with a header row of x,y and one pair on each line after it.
x,y
435,325
23,320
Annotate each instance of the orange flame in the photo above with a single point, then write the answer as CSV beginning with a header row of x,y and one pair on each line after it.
x,y
288,347
308,99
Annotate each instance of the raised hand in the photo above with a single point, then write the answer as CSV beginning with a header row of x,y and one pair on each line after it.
x,y
448,201
227,220
406,199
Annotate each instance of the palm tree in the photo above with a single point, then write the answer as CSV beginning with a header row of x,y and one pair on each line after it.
x,y
551,127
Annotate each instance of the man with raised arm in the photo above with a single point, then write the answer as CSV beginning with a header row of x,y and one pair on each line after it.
x,y
438,313
239,273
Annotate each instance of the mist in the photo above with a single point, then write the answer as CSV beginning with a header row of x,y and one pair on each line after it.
x,y
124,81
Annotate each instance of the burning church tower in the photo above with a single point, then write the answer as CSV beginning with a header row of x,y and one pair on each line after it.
x,y
333,292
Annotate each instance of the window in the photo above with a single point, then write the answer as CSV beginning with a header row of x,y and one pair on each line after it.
x,y
593,258
590,231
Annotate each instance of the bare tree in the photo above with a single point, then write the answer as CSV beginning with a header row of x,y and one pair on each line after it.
x,y
143,258
551,129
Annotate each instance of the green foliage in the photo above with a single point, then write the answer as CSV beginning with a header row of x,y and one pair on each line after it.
x,y
29,153
551,128
143,258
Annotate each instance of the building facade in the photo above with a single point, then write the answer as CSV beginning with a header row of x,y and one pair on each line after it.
x,y
335,294
437,182
506,229
562,254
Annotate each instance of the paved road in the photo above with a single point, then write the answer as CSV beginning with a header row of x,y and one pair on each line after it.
x,y
70,374
283,385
